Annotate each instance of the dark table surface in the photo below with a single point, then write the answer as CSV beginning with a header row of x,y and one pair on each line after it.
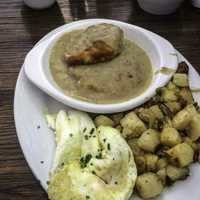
x,y
21,28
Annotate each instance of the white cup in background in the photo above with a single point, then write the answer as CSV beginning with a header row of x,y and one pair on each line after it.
x,y
160,7
39,4
196,3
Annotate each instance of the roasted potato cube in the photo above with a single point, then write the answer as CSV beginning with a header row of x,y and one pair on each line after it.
x,y
173,106
156,112
194,128
149,140
191,143
170,137
150,115
140,163
162,163
162,175
172,86
132,125
175,173
149,185
182,119
167,123
181,80
102,120
181,154
151,162
168,95
116,118
186,96
133,143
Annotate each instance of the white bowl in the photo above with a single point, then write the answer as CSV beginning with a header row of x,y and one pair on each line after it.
x,y
160,7
159,50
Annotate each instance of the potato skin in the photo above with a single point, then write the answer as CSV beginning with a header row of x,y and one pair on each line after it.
x,y
103,120
149,185
175,173
181,154
132,125
149,140
170,137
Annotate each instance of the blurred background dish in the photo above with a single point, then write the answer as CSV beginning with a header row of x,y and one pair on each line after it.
x,y
39,4
160,7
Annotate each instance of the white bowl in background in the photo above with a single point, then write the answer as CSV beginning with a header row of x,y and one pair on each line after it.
x,y
159,50
160,7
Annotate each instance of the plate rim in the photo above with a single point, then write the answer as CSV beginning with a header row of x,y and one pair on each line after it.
x,y
16,115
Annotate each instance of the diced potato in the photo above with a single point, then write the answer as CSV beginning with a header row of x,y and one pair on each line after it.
x,y
168,95
150,115
194,128
132,125
170,137
102,120
140,163
156,112
181,154
175,173
182,119
172,86
151,162
116,118
191,143
162,175
186,95
181,80
149,185
134,147
162,163
167,123
173,106
149,140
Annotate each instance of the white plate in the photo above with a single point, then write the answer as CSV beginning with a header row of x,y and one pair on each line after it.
x,y
37,141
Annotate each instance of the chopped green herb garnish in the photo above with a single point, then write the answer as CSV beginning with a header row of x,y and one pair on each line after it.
x,y
86,137
108,146
104,139
93,172
87,197
99,156
85,160
71,135
88,158
91,131
116,182
84,130
94,136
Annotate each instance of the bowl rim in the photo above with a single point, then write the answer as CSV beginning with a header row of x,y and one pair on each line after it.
x,y
94,107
